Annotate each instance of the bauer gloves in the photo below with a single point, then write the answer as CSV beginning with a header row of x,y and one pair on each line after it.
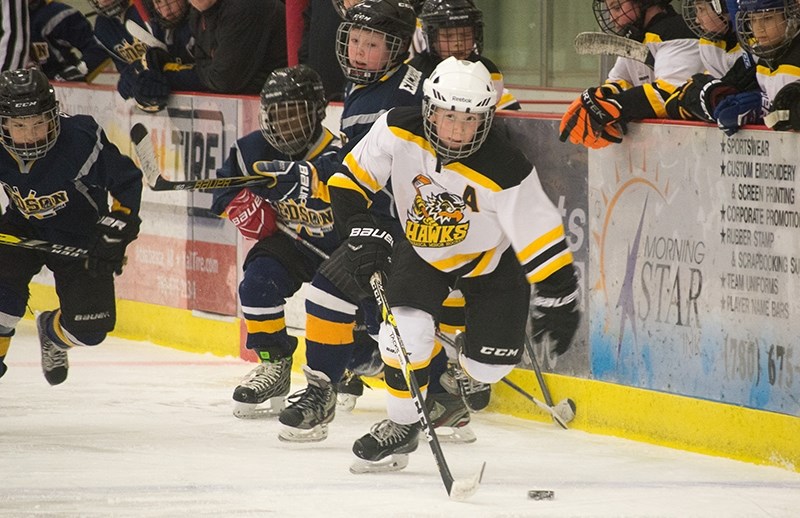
x,y
253,215
293,180
369,249
114,232
593,120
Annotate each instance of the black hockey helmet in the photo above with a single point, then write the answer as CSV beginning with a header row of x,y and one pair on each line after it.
x,y
707,18
168,13
623,18
292,109
29,122
453,14
111,9
342,6
391,22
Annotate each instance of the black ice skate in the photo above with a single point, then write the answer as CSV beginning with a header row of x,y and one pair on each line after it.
x,y
385,447
475,394
55,363
268,382
450,417
348,391
310,410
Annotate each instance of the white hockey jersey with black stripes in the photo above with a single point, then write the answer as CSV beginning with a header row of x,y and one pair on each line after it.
x,y
459,217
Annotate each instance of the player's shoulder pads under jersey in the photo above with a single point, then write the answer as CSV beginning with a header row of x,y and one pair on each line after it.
x,y
407,119
668,26
500,161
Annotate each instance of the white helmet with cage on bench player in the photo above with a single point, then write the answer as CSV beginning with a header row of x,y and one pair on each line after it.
x,y
458,107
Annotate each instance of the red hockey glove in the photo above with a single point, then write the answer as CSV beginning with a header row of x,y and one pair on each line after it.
x,y
253,215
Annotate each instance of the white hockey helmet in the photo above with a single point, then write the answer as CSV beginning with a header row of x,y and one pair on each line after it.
x,y
461,86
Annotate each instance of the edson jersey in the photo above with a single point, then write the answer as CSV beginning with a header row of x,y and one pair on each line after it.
x,y
112,34
61,196
363,104
459,217
311,218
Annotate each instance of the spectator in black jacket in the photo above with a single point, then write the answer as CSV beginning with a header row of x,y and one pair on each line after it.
x,y
237,44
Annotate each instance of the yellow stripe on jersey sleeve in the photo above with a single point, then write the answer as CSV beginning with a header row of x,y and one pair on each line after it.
x,y
541,243
361,174
655,100
343,181
651,37
474,176
548,268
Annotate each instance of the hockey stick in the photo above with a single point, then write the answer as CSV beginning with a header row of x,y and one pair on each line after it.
x,y
594,43
560,417
143,35
457,489
566,407
44,246
147,158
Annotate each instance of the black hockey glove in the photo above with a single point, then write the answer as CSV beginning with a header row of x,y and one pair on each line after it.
x,y
151,91
785,112
369,249
556,313
293,180
113,234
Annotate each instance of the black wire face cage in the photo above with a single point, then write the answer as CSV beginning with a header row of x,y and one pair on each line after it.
x,y
168,13
31,136
456,40
367,54
621,17
289,126
707,18
767,33
444,151
110,9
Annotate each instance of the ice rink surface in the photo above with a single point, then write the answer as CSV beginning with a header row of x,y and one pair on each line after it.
x,y
141,430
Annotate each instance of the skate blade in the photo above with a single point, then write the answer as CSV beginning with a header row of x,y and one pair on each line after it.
x,y
270,408
459,435
394,462
316,434
463,489
346,402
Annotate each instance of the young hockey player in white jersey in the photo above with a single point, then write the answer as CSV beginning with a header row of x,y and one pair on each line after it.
x,y
633,90
714,22
474,216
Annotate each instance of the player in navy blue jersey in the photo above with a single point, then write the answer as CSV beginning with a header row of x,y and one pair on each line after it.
x,y
295,148
67,184
57,32
455,28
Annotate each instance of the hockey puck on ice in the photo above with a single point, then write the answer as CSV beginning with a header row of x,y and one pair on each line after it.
x,y
541,494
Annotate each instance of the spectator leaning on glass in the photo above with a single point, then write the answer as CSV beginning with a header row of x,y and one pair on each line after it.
x,y
237,43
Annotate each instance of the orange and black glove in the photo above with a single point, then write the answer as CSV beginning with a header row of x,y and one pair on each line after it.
x,y
593,120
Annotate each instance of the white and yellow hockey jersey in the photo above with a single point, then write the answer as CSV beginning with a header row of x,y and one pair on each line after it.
x,y
460,217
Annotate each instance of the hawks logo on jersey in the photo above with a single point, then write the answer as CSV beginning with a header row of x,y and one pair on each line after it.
x,y
437,219
39,207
